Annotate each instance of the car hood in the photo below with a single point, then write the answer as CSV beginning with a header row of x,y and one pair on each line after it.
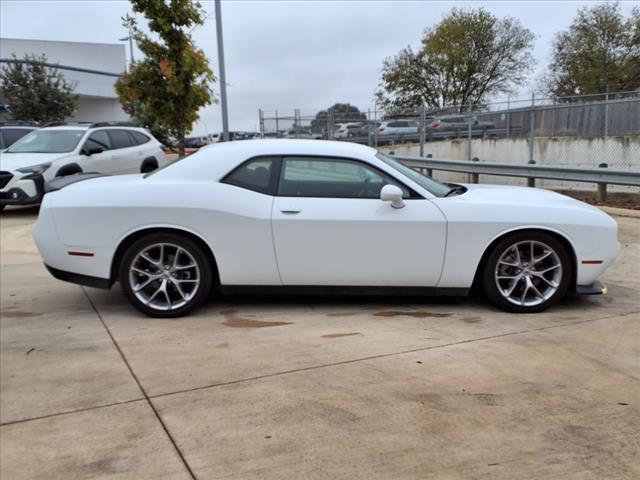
x,y
525,196
13,161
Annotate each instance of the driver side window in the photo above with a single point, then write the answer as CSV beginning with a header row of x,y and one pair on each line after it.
x,y
332,178
98,139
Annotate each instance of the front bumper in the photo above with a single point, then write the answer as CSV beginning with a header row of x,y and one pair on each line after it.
x,y
27,190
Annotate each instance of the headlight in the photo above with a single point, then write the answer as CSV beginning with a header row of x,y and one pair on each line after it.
x,y
41,168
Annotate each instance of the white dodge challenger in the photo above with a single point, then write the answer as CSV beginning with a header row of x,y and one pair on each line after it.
x,y
307,216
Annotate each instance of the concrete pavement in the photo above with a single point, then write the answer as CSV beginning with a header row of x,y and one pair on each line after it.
x,y
315,387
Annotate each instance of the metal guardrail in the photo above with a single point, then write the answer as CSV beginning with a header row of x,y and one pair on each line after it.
x,y
602,176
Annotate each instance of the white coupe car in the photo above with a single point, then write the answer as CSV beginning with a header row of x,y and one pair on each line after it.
x,y
302,216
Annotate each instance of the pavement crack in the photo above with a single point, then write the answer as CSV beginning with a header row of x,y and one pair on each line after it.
x,y
70,412
386,355
146,396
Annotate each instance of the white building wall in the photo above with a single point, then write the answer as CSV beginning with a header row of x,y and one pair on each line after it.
x,y
94,68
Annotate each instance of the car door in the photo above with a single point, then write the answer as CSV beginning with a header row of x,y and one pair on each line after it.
x,y
102,162
331,228
126,151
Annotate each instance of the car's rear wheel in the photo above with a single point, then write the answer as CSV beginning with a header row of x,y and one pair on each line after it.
x,y
527,272
165,275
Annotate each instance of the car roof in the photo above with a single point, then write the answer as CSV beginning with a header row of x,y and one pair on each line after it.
x,y
89,126
220,158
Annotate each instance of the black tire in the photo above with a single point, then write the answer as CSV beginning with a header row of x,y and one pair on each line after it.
x,y
204,269
489,272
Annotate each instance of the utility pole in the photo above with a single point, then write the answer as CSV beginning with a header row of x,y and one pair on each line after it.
x,y
223,77
130,38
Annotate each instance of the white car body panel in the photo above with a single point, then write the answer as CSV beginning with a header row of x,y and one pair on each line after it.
x,y
432,242
334,241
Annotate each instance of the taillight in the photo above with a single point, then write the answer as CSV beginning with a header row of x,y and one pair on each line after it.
x,y
381,129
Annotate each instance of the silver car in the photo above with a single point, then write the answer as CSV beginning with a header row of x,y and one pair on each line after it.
x,y
458,122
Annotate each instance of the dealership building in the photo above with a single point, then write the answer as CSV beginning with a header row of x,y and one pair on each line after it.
x,y
94,68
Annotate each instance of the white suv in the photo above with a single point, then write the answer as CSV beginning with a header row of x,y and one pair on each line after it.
x,y
55,151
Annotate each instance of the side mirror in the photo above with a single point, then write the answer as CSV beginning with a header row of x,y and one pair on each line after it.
x,y
93,151
393,194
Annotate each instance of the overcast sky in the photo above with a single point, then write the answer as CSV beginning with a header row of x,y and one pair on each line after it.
x,y
283,55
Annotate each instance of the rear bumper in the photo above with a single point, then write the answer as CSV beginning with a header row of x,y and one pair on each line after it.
x,y
86,280
596,288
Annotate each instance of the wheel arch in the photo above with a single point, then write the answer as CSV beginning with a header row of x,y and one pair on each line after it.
x,y
68,169
559,236
149,160
132,237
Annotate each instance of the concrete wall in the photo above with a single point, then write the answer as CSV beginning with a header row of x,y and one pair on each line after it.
x,y
618,152
99,110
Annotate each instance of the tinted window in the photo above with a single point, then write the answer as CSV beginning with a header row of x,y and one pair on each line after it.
x,y
394,124
138,137
98,139
119,139
336,178
9,136
254,175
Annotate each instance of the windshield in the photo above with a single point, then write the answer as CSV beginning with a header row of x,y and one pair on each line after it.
x,y
48,141
429,184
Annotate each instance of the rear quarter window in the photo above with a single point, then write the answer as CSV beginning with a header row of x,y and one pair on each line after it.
x,y
139,137
119,139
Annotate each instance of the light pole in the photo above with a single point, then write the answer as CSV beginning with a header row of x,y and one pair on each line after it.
x,y
130,38
223,79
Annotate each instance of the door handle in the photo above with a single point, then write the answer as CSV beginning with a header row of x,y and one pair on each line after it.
x,y
290,212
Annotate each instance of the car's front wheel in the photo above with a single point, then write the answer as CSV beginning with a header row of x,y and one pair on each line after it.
x,y
165,275
527,272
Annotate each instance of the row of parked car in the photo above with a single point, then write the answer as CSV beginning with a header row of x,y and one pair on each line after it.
x,y
400,127
31,156
392,127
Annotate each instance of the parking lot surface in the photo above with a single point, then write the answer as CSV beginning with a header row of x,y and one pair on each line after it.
x,y
315,388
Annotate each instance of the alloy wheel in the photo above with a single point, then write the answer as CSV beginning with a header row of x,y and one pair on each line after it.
x,y
528,273
164,276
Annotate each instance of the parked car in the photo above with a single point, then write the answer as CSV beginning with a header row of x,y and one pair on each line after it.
x,y
398,127
317,217
298,132
10,133
457,122
55,151
344,130
365,130
196,142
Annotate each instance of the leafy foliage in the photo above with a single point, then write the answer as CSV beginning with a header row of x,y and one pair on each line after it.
x,y
166,89
469,56
599,52
340,112
36,91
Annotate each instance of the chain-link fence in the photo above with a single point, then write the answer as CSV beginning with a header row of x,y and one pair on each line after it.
x,y
588,130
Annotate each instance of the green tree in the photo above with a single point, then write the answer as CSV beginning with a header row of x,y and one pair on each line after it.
x,y
467,57
36,91
340,112
173,81
599,52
